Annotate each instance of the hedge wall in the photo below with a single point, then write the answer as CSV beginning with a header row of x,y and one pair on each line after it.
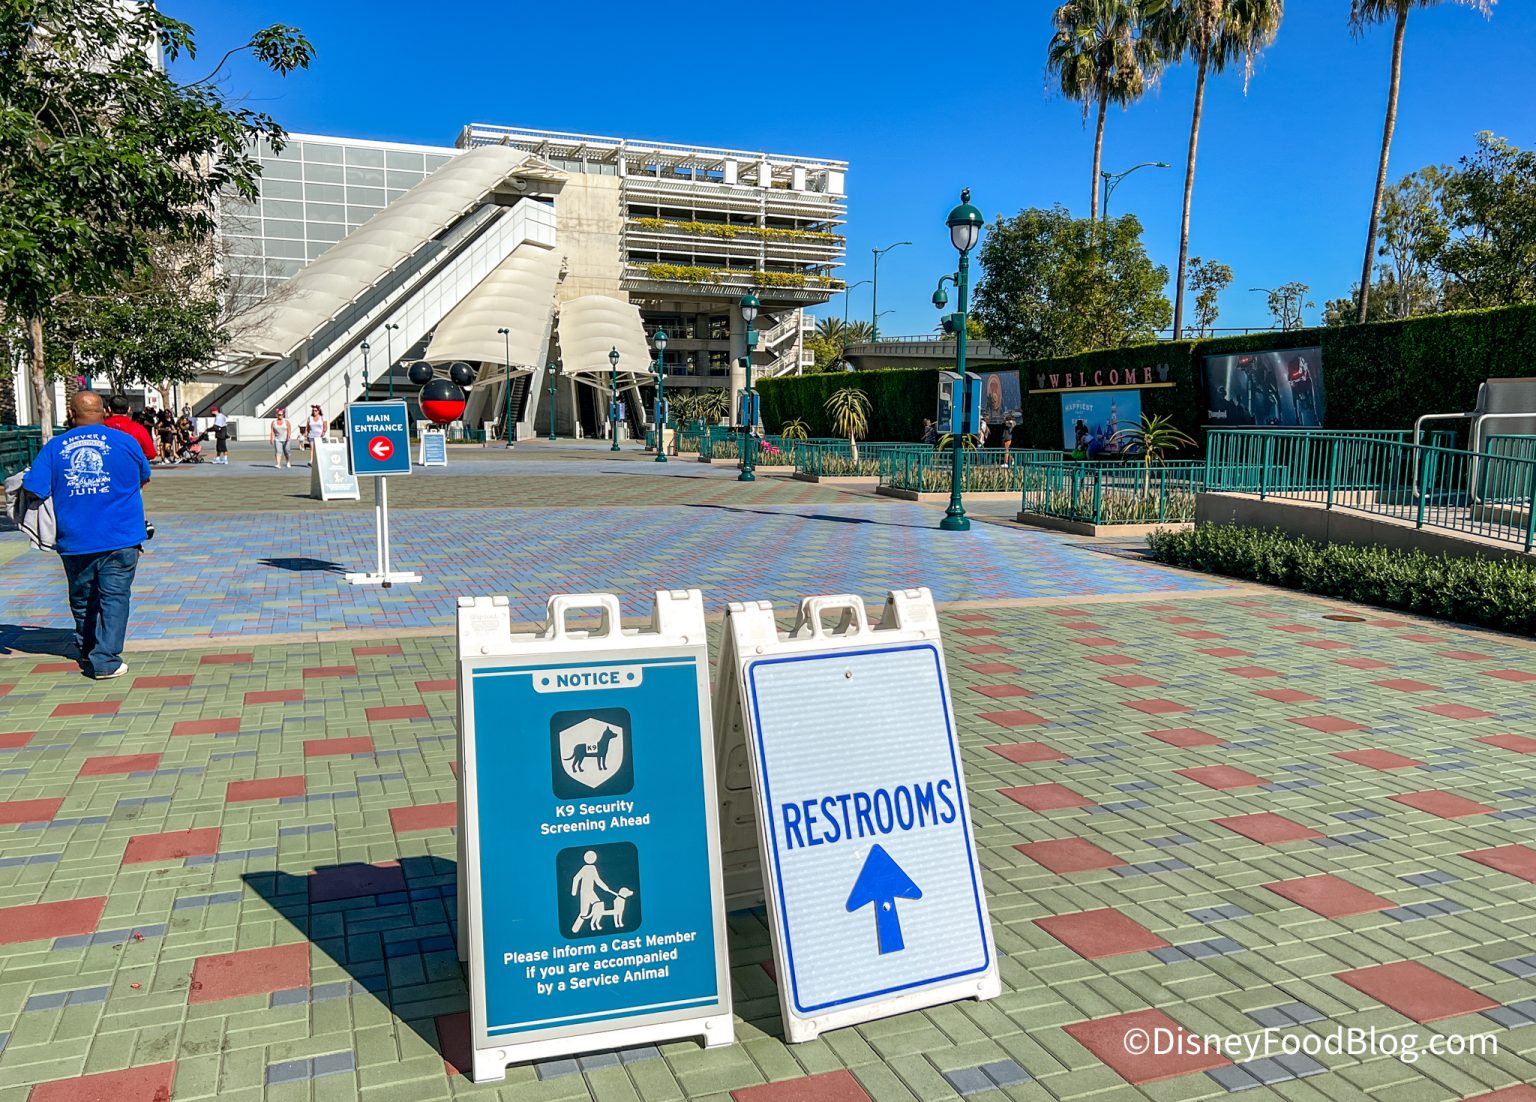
x,y
1381,375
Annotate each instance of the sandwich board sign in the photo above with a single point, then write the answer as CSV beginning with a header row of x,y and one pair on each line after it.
x,y
434,448
869,867
330,479
590,910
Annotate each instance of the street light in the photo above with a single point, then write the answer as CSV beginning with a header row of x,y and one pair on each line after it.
x,y
1285,294
365,370
659,340
389,354
847,295
1112,181
874,291
506,429
749,307
964,224
553,372
613,398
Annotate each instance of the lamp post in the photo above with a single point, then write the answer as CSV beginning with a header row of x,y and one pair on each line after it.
x,y
506,423
365,347
964,224
749,307
389,354
1286,295
659,340
874,290
847,294
1112,181
613,397
553,373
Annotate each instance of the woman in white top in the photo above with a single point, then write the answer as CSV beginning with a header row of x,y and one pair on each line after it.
x,y
317,429
281,434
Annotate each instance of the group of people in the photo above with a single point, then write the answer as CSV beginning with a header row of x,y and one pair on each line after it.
x,y
284,431
166,438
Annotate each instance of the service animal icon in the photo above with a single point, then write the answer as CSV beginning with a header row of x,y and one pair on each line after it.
x,y
582,751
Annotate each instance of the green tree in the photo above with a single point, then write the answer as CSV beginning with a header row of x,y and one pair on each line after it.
x,y
1207,279
1213,34
1414,229
1054,285
102,152
1362,14
849,407
1489,256
1345,311
1286,304
1099,56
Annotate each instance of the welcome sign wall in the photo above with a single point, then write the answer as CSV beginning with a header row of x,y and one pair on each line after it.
x,y
1109,378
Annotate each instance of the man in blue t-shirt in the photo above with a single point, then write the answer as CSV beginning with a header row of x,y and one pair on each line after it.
x,y
95,476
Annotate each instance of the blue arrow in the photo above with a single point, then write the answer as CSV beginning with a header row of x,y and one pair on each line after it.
x,y
881,882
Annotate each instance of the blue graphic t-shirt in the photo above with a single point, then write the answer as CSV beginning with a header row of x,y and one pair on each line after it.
x,y
93,474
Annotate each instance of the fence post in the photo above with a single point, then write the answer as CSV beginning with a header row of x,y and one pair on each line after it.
x,y
1098,496
1426,481
1074,489
1162,495
1530,515
1333,468
1264,461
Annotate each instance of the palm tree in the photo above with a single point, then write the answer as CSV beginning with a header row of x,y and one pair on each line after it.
x,y
832,330
1100,57
1362,13
857,332
849,407
1214,33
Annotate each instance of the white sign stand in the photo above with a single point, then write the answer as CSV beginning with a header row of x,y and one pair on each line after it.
x,y
590,909
867,858
381,574
329,477
433,449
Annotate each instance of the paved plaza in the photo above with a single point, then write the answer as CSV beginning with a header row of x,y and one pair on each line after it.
x,y
1199,805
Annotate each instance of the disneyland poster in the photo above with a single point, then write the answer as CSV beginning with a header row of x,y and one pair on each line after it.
x,y
1280,389
1099,424
1000,399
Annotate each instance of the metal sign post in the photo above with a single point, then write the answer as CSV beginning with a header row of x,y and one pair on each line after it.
x,y
590,909
378,445
867,859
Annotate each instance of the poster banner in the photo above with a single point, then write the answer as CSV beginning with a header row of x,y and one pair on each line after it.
x,y
1281,388
1096,425
1000,398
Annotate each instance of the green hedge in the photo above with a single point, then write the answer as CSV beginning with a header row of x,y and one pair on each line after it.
x,y
1493,593
900,399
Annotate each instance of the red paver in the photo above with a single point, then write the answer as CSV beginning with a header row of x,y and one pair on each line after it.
x,y
1114,659
1222,776
329,671
5,689
829,1086
119,763
29,811
1286,696
1002,692
171,846
164,681
1226,652
1297,629
397,711
1520,744
977,632
249,972
376,651
149,1083
1466,656
1064,855
1516,860
1364,663
1101,933
1201,634
1185,736
1096,641
454,1043
1407,685
1326,644
1421,637
1252,671
1509,675
275,696
423,817
227,725
1267,828
1016,718
1082,625
1157,706
265,788
1022,753
1508,1094
1106,1037
15,740
1378,759
238,658
1329,896
88,708
334,747
36,921
351,881
56,667
1445,805
1456,711
1178,619
973,617
984,648
442,685
1415,991
1134,681
1045,797
1331,725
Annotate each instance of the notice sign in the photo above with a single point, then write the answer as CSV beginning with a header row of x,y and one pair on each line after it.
x,y
434,448
594,907
330,479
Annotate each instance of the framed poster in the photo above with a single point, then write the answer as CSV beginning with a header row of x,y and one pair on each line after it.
x,y
1280,389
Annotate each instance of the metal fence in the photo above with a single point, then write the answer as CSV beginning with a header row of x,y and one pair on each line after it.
x,y
931,470
835,458
19,445
1114,493
1490,493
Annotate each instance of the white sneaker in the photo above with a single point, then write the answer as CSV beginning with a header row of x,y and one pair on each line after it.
x,y
121,669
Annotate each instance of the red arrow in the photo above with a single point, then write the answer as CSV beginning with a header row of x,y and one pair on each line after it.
x,y
380,448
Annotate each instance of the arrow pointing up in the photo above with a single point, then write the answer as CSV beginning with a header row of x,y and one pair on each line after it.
x,y
881,882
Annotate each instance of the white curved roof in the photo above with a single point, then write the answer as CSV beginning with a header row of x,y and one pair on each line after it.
x,y
519,294
346,270
591,326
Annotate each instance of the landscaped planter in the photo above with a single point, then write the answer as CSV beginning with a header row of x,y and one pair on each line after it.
x,y
1088,528
943,495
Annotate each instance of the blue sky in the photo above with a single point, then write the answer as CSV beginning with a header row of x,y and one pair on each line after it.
x,y
1282,185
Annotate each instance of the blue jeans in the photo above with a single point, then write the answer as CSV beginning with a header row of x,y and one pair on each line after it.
x,y
99,588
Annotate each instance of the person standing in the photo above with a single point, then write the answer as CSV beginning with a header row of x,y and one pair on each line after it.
x,y
281,435
317,430
95,477
120,420
1008,427
220,436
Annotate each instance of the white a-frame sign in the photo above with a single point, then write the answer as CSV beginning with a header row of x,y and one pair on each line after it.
x,y
590,910
869,868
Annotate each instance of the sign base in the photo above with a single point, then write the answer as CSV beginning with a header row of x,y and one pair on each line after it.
x,y
491,1063
392,578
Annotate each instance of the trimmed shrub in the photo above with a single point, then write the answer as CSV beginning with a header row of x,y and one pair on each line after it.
x,y
1492,593
900,399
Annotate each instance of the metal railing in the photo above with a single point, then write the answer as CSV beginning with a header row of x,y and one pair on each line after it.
x,y
986,470
1489,493
835,458
1114,493
19,445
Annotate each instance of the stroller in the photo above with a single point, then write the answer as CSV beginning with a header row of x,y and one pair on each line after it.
x,y
190,450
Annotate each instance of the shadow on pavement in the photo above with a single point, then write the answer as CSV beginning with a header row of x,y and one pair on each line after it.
x,y
16,639
301,564
789,512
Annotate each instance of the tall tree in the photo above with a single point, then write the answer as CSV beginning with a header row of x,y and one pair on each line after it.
x,y
1099,56
1207,279
1286,304
102,151
1489,257
1213,34
1362,14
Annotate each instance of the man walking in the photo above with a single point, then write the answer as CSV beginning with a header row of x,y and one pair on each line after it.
x,y
95,476
120,420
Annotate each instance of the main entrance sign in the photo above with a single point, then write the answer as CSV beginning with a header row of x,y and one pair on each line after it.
x,y
591,911
378,438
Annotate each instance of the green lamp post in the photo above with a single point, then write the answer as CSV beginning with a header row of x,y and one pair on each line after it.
x,y
553,373
389,354
749,308
364,346
660,343
964,224
506,417
613,397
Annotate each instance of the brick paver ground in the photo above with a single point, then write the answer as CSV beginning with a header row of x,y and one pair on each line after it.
x,y
232,872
